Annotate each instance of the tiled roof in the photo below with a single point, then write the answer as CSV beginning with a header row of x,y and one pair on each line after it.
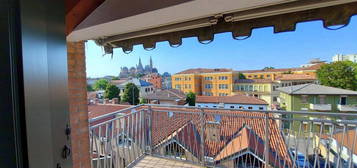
x,y
315,89
347,140
236,99
172,94
284,77
118,82
232,124
96,110
204,70
314,67
163,126
253,81
137,82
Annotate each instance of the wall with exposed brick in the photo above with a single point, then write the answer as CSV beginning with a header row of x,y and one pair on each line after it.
x,y
77,85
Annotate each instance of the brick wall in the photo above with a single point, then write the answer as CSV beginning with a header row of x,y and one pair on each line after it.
x,y
77,85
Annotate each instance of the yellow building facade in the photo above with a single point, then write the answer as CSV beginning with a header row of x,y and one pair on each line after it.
x,y
209,82
187,83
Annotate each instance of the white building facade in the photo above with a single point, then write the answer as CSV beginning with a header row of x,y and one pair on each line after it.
x,y
349,57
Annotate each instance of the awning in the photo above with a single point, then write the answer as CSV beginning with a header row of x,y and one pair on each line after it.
x,y
282,16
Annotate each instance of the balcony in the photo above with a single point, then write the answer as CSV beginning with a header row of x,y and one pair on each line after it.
x,y
320,107
347,108
181,136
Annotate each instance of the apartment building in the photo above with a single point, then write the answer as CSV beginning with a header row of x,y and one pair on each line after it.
x,y
207,82
313,97
266,89
348,57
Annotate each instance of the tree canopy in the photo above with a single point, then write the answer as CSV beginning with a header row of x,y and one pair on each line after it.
x,y
90,88
341,74
268,68
191,99
111,91
101,84
241,75
131,94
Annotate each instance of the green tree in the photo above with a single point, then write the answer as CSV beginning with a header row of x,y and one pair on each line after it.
x,y
90,88
241,76
191,99
131,94
143,101
115,78
341,74
101,84
268,68
111,92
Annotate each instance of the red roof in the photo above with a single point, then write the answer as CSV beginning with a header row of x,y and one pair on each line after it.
x,y
253,81
96,110
295,77
313,67
164,126
204,70
236,99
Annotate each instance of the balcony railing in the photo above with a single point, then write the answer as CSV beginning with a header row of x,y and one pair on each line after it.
x,y
321,107
223,137
347,108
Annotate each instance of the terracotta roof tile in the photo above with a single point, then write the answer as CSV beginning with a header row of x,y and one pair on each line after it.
x,y
295,77
236,99
204,70
95,110
253,81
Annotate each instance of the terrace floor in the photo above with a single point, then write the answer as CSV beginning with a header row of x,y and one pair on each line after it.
x,y
151,162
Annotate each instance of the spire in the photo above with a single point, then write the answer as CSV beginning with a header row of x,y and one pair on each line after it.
x,y
139,67
151,64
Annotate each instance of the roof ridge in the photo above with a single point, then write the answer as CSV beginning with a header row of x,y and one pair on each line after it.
x,y
305,85
174,94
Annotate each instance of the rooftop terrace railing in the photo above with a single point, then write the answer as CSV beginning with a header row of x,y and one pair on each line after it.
x,y
224,137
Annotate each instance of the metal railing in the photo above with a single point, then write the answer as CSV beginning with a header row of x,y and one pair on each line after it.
x,y
224,137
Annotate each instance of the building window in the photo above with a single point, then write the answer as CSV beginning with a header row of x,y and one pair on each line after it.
x,y
208,78
322,99
304,98
208,86
275,98
223,86
170,114
250,87
178,86
268,76
255,76
343,100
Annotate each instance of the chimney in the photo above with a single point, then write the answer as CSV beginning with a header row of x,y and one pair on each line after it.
x,y
115,100
106,101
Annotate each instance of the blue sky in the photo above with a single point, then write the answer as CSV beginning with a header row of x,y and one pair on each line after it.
x,y
263,48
